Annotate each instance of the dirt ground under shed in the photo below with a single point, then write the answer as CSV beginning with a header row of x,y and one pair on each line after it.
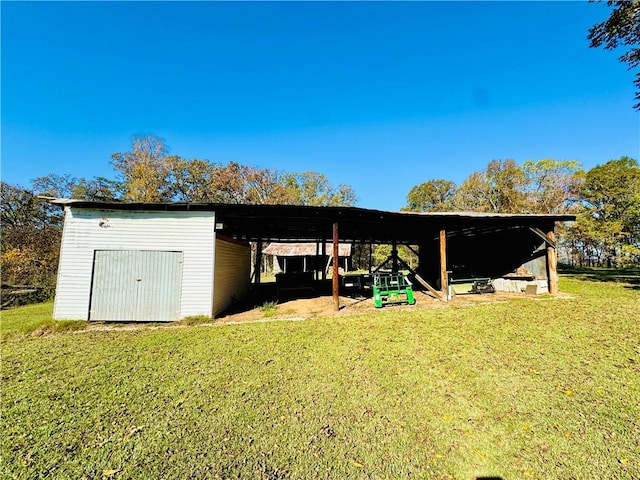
x,y
317,306
322,306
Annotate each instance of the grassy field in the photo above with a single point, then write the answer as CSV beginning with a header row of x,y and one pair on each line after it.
x,y
525,388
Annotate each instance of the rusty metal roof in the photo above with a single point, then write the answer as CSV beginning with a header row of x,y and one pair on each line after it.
x,y
305,249
313,224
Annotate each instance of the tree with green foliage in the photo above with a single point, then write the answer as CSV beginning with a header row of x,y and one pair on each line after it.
x,y
313,188
621,29
431,196
609,222
20,207
190,179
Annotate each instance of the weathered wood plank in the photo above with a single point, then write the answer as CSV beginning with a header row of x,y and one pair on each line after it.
x,y
543,236
426,285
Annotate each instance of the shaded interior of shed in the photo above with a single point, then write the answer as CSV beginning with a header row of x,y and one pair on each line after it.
x,y
487,245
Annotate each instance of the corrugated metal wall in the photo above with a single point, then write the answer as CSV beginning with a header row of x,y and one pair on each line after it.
x,y
88,230
134,285
538,266
232,273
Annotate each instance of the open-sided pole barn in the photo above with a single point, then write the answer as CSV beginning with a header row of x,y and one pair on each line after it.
x,y
164,261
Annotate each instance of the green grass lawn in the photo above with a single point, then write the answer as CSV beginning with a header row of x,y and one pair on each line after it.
x,y
525,388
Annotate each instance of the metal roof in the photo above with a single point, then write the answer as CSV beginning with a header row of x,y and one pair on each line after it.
x,y
314,224
308,249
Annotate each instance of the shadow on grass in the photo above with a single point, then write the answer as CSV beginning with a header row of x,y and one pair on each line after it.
x,y
630,276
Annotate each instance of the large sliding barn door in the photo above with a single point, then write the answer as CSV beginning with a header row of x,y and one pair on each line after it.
x,y
134,285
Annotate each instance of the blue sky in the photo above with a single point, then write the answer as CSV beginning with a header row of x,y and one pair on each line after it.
x,y
381,96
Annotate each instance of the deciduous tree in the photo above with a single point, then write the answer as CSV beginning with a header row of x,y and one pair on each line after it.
x,y
190,180
552,185
611,215
313,188
500,188
431,196
621,30
30,238
144,171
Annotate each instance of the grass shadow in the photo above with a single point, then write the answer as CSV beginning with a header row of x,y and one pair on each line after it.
x,y
630,276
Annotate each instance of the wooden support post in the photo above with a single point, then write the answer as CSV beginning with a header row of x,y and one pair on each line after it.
x,y
552,264
324,255
336,271
444,277
258,265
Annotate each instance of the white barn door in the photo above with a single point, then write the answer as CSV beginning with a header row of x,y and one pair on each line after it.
x,y
136,286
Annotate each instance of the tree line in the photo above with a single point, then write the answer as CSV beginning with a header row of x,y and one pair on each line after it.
x,y
605,200
32,227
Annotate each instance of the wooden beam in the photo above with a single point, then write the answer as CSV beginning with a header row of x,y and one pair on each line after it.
x,y
444,277
336,271
552,264
426,285
543,236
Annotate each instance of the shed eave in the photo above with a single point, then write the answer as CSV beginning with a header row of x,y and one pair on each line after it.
x,y
277,223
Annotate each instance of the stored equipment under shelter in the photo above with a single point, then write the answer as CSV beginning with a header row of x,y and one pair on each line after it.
x,y
391,288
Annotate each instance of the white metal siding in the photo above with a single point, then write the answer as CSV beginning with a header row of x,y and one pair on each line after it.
x,y
87,230
232,271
